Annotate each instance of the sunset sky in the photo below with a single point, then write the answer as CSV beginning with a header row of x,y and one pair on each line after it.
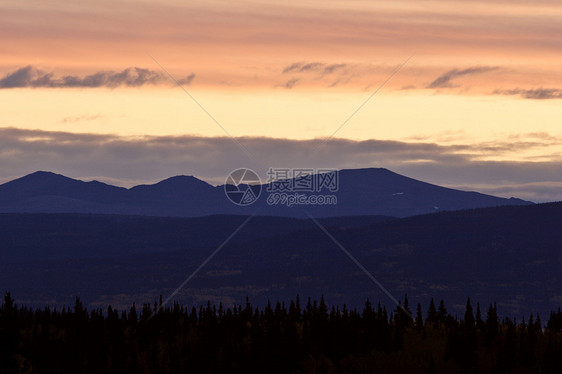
x,y
473,98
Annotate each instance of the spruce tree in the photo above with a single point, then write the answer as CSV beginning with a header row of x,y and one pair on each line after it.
x,y
442,312
419,318
432,314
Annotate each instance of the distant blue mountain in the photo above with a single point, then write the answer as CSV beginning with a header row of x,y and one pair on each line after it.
x,y
44,183
361,192
510,255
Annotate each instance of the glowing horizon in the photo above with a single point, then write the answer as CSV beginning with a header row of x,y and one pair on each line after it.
x,y
480,73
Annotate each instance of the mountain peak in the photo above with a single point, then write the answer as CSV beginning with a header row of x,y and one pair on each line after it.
x,y
44,174
49,187
182,179
41,179
177,187
178,181
368,170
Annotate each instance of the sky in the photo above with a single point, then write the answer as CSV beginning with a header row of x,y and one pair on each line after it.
x,y
462,94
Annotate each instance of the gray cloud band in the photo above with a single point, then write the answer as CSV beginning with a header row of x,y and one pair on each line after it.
x,y
127,161
540,93
535,93
30,76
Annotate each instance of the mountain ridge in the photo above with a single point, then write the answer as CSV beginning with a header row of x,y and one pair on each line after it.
x,y
367,191
507,254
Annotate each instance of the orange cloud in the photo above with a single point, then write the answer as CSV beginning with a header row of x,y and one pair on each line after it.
x,y
250,43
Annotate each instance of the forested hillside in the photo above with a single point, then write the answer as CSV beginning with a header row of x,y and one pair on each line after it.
x,y
299,337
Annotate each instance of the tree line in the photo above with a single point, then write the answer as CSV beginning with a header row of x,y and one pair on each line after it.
x,y
297,337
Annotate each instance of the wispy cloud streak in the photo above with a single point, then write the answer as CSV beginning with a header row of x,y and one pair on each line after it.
x,y
533,93
318,67
30,76
444,80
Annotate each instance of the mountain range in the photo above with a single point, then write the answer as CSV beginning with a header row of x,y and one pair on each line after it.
x,y
510,255
361,192
61,238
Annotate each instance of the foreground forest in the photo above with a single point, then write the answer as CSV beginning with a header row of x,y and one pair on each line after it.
x,y
302,337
